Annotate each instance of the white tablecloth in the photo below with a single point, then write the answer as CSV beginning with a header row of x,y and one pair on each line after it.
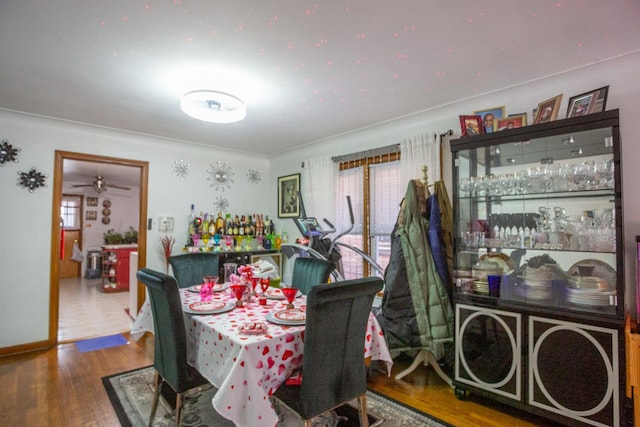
x,y
247,369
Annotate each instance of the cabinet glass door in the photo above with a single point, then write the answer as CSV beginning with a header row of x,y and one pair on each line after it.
x,y
540,214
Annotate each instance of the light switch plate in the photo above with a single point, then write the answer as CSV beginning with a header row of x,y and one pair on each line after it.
x,y
165,224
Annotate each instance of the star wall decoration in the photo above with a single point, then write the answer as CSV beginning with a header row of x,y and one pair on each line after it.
x,y
220,175
221,204
8,153
32,180
181,169
253,176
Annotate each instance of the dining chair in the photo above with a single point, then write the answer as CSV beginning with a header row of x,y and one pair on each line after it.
x,y
308,272
170,341
189,269
333,370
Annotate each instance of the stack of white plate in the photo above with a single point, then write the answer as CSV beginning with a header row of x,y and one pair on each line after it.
x,y
590,291
536,284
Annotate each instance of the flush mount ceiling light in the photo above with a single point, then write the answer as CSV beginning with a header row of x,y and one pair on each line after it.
x,y
213,106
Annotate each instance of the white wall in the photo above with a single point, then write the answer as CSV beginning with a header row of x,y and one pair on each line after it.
x,y
620,74
25,217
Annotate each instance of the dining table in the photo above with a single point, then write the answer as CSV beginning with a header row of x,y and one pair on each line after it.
x,y
247,365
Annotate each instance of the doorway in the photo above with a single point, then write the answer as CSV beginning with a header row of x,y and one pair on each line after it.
x,y
141,171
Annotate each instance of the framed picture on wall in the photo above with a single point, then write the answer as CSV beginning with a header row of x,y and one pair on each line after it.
x,y
471,125
92,201
288,203
511,122
489,117
594,101
547,111
91,215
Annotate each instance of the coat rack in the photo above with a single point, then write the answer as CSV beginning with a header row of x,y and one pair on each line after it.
x,y
425,356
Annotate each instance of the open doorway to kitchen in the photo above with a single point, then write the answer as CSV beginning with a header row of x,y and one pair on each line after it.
x,y
79,307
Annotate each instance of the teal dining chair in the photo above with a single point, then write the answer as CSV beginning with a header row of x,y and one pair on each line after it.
x,y
189,269
170,340
308,272
333,368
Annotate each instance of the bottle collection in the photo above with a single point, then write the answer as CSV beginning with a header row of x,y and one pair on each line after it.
x,y
213,232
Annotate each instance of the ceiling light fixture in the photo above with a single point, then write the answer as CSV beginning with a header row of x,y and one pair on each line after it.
x,y
213,106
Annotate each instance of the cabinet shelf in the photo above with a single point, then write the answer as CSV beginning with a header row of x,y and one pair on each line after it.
x,y
552,195
115,267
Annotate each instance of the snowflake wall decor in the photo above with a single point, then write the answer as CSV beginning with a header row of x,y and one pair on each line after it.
x,y
253,176
221,204
220,175
181,169
32,180
8,153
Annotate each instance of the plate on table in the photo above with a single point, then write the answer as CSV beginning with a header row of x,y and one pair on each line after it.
x,y
276,293
218,287
289,317
210,307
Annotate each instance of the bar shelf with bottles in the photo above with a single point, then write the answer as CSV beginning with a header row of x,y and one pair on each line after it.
x,y
231,233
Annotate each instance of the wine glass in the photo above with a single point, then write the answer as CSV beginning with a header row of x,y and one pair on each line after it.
x,y
216,241
238,291
290,294
210,281
196,240
264,285
254,283
228,241
205,239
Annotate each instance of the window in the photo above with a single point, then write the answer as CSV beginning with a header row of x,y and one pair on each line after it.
x,y
70,212
374,187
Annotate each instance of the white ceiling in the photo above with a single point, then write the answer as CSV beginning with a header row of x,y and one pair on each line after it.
x,y
306,70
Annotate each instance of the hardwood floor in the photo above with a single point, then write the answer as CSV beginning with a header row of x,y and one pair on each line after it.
x,y
63,387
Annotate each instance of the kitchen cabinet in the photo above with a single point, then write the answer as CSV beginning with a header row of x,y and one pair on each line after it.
x,y
539,268
115,267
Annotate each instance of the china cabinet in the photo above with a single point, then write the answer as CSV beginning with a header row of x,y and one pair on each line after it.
x,y
115,267
538,260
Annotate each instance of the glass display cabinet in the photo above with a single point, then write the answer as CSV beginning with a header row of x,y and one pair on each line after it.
x,y
538,267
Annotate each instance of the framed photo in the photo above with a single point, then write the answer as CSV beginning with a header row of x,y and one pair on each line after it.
x,y
489,116
471,125
594,101
92,201
511,122
288,203
91,215
547,111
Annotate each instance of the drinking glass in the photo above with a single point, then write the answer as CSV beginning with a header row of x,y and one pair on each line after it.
x,y
238,291
264,285
254,283
229,269
290,294
196,239
210,281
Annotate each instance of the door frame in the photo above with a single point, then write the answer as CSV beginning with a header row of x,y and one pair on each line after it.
x,y
58,178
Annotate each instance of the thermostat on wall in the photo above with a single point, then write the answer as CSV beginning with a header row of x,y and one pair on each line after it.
x,y
165,224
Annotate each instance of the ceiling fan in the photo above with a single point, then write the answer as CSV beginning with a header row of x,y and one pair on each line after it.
x,y
100,185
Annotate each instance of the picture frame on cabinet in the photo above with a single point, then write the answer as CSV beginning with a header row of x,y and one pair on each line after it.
x,y
92,201
288,190
91,215
547,111
489,116
594,101
511,122
471,125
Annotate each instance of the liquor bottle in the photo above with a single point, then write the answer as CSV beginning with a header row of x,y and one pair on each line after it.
x,y
220,224
191,225
213,229
267,226
205,224
236,225
229,224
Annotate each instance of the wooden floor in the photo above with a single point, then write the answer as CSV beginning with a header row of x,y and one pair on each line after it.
x,y
63,387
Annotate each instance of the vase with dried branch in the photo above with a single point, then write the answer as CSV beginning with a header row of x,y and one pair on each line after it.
x,y
167,246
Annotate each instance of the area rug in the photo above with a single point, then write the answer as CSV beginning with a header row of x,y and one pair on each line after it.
x,y
131,394
99,343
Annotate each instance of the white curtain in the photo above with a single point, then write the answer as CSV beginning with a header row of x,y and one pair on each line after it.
x,y
319,180
421,150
